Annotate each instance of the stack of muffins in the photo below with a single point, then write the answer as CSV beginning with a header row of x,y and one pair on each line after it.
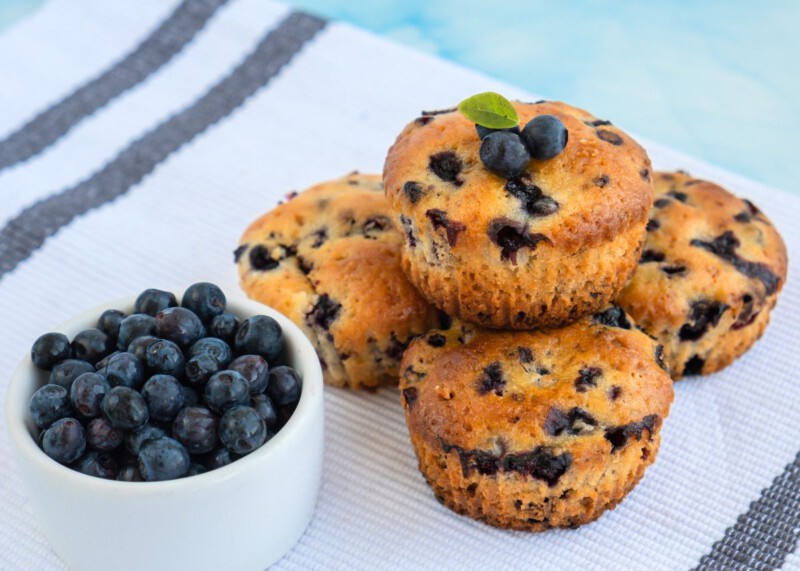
x,y
532,320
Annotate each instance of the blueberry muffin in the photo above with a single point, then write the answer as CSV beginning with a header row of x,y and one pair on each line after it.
x,y
540,249
535,429
329,259
710,273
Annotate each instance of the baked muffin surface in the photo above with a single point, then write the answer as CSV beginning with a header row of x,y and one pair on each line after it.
x,y
711,270
329,259
475,242
540,429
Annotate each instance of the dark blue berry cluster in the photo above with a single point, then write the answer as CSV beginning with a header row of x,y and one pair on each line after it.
x,y
506,152
166,392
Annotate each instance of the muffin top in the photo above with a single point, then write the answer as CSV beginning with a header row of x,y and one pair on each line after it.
x,y
329,259
705,248
541,402
597,187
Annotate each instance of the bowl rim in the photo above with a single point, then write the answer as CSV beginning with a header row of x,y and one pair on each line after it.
x,y
295,340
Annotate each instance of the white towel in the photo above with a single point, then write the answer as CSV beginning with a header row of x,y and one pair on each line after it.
x,y
137,141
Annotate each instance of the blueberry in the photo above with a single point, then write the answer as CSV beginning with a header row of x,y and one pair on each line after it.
x,y
129,474
217,348
504,154
324,312
447,165
535,202
151,301
87,393
649,256
572,422
694,366
242,430
545,137
253,368
190,396
196,469
164,397
64,441
133,326
587,378
413,190
609,137
725,245
91,345
220,457
259,335
226,389
512,236
199,369
136,438
205,300
125,408
97,464
103,363
179,325
109,323
164,357
261,259
49,349
284,414
619,436
491,380
196,428
163,459
65,373
614,316
284,386
265,408
49,404
319,236
101,435
705,314
138,347
223,326
452,228
124,370
484,131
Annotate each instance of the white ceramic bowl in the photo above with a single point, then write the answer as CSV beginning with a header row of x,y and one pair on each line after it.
x,y
244,516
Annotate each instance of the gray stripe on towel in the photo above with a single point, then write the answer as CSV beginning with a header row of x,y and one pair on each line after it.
x,y
766,534
171,36
29,230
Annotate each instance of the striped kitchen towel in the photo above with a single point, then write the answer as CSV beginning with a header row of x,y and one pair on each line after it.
x,y
138,139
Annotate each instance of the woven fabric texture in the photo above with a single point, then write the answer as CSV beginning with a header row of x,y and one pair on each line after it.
x,y
151,182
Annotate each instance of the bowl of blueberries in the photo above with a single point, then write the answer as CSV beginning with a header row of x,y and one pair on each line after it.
x,y
157,432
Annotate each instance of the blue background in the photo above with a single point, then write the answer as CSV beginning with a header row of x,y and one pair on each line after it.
x,y
716,80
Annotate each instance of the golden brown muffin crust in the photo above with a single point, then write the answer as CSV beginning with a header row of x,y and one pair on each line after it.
x,y
711,270
538,250
536,429
329,259
601,187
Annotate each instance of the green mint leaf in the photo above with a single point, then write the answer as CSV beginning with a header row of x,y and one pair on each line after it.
x,y
490,110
